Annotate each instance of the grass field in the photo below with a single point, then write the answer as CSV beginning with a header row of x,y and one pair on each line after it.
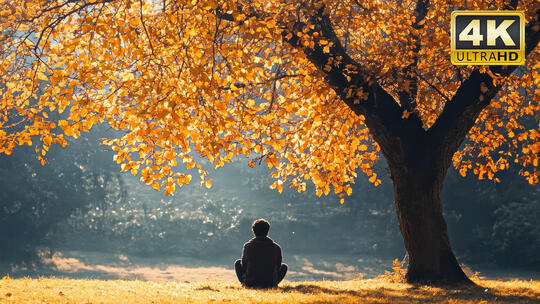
x,y
53,290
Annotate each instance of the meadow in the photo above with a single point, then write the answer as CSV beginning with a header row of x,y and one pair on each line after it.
x,y
379,290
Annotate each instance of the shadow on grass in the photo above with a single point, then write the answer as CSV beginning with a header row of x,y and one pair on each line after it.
x,y
422,294
207,288
314,289
478,292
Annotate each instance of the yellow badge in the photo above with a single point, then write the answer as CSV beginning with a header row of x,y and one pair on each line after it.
x,y
487,38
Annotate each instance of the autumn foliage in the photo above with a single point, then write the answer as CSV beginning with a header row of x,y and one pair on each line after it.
x,y
218,79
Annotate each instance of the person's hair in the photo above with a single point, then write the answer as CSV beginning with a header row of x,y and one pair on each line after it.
x,y
260,227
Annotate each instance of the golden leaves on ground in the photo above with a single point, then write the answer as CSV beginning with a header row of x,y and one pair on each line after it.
x,y
385,289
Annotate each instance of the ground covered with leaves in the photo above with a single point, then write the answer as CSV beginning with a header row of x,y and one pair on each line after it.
x,y
53,290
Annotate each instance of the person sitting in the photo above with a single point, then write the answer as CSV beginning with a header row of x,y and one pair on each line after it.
x,y
260,266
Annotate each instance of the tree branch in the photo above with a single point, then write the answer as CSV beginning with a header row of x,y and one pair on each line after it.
x,y
145,29
52,25
475,93
356,87
347,78
360,91
434,87
407,96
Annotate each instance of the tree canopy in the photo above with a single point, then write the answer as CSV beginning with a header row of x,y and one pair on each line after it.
x,y
300,85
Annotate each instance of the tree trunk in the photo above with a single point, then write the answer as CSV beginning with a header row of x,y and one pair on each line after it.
x,y
417,189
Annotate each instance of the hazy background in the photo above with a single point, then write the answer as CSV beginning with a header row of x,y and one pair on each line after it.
x,y
79,216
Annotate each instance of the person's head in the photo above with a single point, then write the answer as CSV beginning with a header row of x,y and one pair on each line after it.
x,y
260,227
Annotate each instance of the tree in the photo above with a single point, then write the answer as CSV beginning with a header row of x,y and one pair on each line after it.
x,y
316,89
35,200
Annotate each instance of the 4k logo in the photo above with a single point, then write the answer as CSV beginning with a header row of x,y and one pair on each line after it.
x,y
487,38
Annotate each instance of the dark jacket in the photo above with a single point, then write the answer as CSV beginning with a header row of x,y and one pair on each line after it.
x,y
261,260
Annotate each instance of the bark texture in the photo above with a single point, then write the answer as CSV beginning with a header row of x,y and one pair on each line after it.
x,y
421,222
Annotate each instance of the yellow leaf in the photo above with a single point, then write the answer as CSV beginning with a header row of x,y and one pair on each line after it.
x,y
269,162
405,114
271,23
42,76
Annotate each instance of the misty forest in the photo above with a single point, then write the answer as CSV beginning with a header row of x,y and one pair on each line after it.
x,y
80,216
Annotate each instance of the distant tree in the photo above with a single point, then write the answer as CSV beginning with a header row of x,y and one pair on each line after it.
x,y
34,199
316,89
494,223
